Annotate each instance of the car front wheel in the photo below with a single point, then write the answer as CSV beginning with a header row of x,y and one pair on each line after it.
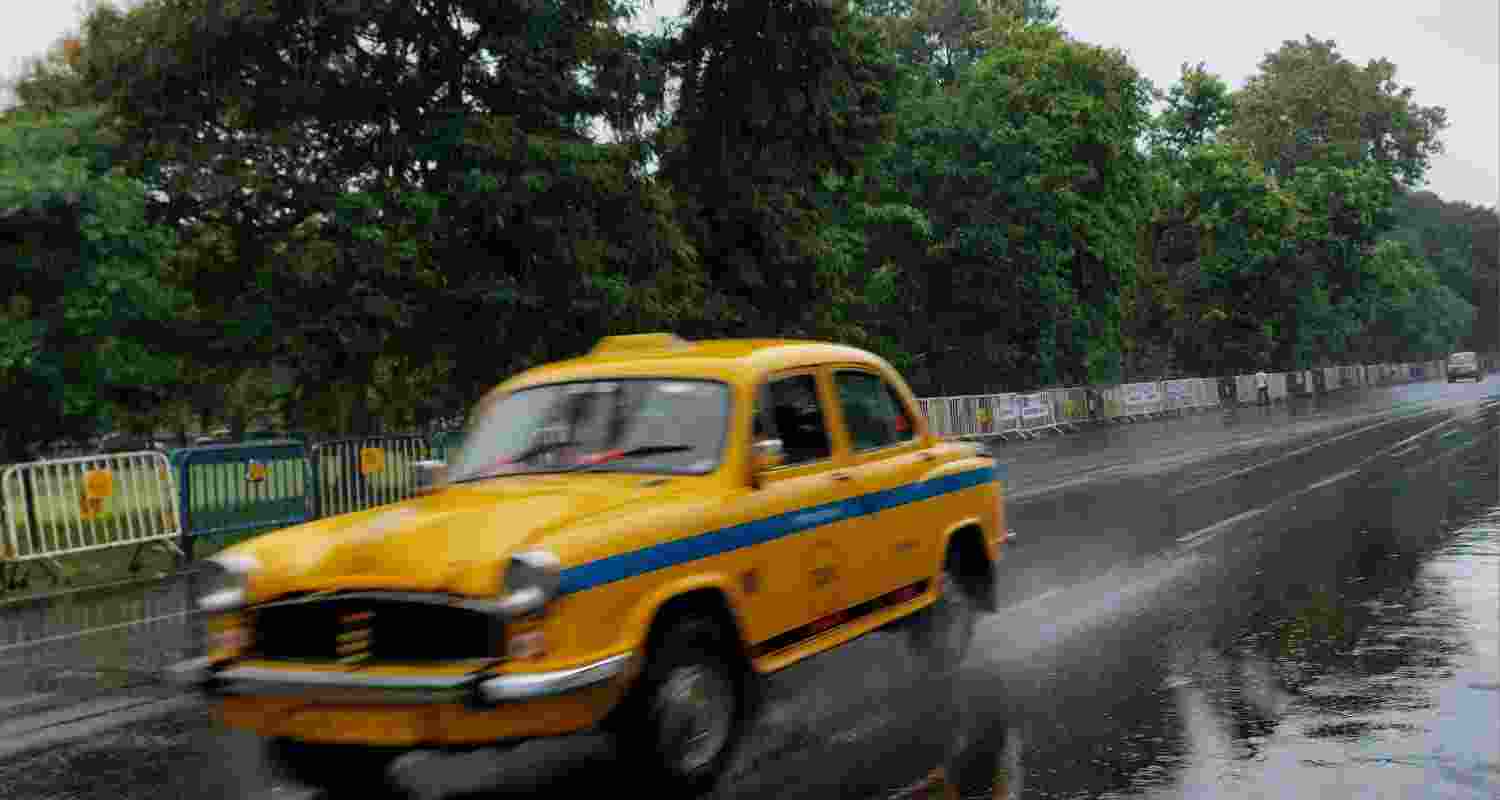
x,y
683,722
941,633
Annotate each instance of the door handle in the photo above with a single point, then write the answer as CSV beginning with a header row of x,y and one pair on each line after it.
x,y
842,476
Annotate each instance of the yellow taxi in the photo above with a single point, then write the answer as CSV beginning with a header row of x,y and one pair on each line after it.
x,y
626,541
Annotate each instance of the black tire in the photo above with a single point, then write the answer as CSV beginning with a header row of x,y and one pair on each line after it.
x,y
335,771
941,633
659,731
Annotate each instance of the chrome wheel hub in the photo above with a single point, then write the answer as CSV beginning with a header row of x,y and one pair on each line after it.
x,y
694,712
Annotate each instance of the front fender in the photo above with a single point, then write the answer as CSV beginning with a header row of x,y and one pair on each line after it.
x,y
644,614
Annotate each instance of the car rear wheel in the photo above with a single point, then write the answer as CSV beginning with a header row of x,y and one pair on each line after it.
x,y
685,718
941,633
336,771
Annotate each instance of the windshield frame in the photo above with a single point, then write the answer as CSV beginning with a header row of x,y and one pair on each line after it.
x,y
717,454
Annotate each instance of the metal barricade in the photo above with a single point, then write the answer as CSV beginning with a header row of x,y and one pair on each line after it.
x,y
969,416
937,419
1034,414
1000,409
1278,387
1177,396
1112,399
361,473
1070,406
1141,400
238,488
77,505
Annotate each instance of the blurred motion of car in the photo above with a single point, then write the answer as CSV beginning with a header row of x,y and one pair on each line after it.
x,y
1463,365
627,540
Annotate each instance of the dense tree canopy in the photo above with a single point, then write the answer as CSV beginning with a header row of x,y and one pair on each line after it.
x,y
348,216
81,282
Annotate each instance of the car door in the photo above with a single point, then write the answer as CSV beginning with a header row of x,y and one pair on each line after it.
x,y
895,533
812,494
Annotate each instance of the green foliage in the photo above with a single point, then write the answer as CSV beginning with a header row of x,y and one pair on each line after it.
x,y
1028,170
81,280
361,215
1309,105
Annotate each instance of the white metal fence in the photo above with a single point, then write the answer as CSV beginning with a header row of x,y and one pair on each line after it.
x,y
1026,415
357,474
74,505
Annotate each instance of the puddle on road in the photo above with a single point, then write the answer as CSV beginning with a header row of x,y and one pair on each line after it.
x,y
1383,676
1354,652
1399,692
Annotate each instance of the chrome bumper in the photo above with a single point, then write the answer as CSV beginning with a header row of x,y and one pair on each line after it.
x,y
365,688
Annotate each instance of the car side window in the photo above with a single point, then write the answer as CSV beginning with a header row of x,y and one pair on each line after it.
x,y
788,409
873,411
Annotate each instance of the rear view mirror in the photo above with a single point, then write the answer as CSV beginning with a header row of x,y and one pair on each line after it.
x,y
766,454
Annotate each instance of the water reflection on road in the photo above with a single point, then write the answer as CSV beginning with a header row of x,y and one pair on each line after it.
x,y
1395,688
1352,651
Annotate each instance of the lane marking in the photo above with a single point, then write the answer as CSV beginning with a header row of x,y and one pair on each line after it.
x,y
1225,523
1205,534
1299,451
63,637
1348,473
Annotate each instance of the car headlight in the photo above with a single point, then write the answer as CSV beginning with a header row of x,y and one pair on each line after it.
x,y
226,582
531,581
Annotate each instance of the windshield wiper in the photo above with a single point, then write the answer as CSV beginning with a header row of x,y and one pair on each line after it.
x,y
643,450
525,455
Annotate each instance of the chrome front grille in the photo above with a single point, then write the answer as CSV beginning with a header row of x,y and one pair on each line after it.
x,y
374,628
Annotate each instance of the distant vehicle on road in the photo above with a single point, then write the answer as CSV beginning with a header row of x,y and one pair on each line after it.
x,y
628,540
1464,365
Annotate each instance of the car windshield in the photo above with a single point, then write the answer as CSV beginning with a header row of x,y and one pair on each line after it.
x,y
629,425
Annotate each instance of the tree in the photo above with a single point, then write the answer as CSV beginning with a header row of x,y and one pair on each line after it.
x,y
942,39
747,157
81,285
1029,173
1309,105
361,182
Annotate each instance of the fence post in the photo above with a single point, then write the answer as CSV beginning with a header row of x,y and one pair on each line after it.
x,y
315,463
33,530
185,507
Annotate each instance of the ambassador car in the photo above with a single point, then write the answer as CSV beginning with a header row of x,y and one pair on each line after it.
x,y
625,541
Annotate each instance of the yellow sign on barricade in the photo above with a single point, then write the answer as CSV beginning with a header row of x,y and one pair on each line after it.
x,y
255,472
371,460
89,508
98,484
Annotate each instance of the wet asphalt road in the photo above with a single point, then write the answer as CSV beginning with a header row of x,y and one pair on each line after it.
x,y
1251,603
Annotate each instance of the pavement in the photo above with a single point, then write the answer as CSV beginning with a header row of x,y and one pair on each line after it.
x,y
1185,597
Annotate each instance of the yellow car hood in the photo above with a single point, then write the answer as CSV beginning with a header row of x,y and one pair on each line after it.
x,y
455,540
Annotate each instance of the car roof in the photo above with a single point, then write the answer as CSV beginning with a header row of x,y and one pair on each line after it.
x,y
730,360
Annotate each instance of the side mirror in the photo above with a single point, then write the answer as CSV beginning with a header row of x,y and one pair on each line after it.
x,y
766,454
429,476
